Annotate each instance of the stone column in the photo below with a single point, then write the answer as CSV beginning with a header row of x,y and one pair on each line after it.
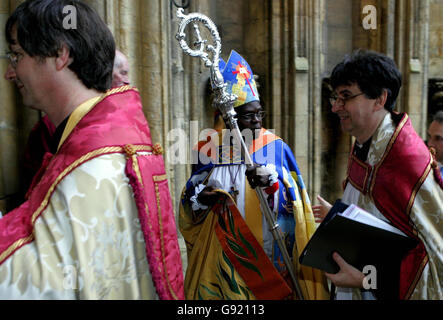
x,y
316,16
367,38
416,60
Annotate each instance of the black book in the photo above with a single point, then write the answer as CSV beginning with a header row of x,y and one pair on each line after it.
x,y
360,238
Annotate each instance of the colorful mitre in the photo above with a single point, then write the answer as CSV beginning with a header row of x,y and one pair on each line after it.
x,y
239,78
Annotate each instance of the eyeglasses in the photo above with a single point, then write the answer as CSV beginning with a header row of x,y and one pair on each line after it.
x,y
336,100
14,58
252,115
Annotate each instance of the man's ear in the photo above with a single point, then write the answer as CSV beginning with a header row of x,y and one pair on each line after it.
x,y
63,59
381,100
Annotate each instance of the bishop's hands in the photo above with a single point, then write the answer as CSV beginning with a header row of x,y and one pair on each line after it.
x,y
208,196
259,176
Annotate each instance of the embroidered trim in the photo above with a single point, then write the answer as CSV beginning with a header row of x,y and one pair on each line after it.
x,y
158,149
159,178
107,150
416,187
76,116
388,149
162,241
136,169
417,277
15,246
368,169
130,150
84,109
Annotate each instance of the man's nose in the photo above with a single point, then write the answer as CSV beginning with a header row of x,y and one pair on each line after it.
x,y
336,107
10,74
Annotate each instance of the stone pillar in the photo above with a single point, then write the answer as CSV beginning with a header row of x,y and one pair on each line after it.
x,y
316,16
367,38
292,78
301,69
415,63
402,33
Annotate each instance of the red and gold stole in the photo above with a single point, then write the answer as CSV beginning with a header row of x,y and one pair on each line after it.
x,y
113,123
393,189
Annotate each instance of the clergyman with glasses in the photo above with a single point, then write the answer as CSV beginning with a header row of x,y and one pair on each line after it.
x,y
85,232
231,252
391,174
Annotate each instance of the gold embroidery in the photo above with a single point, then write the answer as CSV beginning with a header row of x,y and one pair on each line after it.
x,y
158,149
156,179
417,277
157,195
76,116
415,190
433,157
159,178
130,150
388,149
136,169
367,174
14,246
85,107
45,201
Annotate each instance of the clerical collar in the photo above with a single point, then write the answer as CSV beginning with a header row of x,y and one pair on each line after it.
x,y
58,135
362,150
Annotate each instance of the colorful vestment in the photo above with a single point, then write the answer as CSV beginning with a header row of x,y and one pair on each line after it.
x,y
397,183
98,223
231,254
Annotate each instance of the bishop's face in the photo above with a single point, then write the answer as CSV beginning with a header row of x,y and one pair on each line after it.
x,y
250,116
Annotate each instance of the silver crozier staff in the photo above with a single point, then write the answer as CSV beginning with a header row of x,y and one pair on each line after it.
x,y
225,103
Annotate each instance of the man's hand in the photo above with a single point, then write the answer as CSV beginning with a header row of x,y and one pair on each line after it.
x,y
256,180
348,276
208,197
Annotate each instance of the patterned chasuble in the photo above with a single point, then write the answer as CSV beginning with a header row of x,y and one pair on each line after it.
x,y
225,259
411,200
99,221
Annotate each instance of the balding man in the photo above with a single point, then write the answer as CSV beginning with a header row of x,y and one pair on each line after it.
x,y
120,74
